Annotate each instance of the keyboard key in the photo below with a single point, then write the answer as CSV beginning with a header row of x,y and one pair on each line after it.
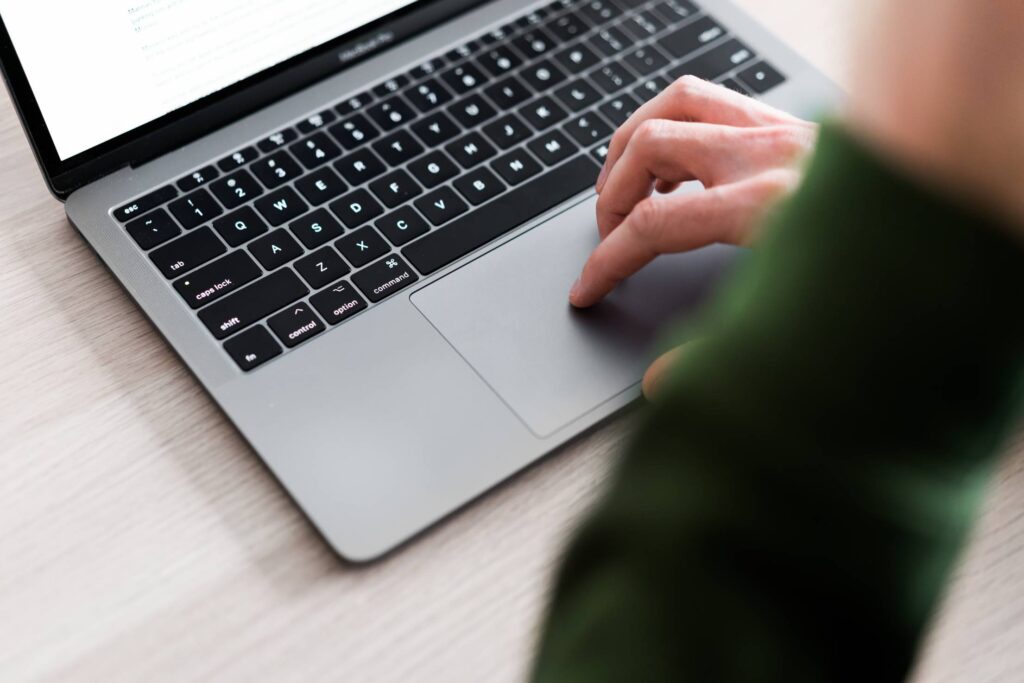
x,y
463,51
145,203
650,87
470,150
507,131
355,103
543,113
195,209
464,78
479,185
338,303
534,43
610,42
588,129
356,208
619,108
427,68
437,249
276,249
315,150
360,166
217,279
402,225
577,58
716,62
674,11
542,75
362,246
316,228
398,148
508,92
441,205
578,95
646,60
187,252
433,169
644,25
320,186
281,206
611,77
734,85
256,301
238,159
278,140
391,113
567,27
516,166
599,11
316,122
385,277
197,178
499,61
252,348
391,86
395,188
600,153
238,227
428,95
236,189
354,131
691,37
321,268
472,111
552,148
761,78
296,324
276,169
435,129
153,229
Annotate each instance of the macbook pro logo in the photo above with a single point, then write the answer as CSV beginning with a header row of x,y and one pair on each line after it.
x,y
367,46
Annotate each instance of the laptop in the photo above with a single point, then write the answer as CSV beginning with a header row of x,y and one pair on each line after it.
x,y
357,222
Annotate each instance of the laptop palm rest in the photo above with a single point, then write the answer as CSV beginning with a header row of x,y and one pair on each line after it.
x,y
508,316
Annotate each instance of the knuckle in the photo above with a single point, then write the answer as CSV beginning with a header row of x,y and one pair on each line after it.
x,y
646,221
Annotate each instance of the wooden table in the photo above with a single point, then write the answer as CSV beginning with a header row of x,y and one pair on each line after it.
x,y
140,538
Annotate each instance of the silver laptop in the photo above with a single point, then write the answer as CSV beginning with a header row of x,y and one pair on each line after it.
x,y
357,222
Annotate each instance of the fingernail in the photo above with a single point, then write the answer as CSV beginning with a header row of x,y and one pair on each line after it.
x,y
601,177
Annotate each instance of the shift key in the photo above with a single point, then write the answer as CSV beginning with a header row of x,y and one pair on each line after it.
x,y
255,302
218,279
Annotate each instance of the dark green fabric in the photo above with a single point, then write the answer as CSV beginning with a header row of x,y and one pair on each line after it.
x,y
792,508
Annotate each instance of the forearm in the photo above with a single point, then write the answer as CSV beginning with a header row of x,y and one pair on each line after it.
x,y
792,508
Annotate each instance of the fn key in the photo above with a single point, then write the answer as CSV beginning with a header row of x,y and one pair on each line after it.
x,y
252,347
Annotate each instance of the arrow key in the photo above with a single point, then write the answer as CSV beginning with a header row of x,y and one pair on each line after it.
x,y
441,205
296,324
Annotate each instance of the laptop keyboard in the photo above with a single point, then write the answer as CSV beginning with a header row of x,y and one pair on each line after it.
x,y
299,232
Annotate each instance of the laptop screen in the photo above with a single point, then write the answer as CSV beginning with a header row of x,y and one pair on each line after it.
x,y
101,68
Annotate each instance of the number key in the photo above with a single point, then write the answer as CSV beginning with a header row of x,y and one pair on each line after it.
x,y
195,209
277,169
236,189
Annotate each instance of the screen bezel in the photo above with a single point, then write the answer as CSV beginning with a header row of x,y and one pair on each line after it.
x,y
213,111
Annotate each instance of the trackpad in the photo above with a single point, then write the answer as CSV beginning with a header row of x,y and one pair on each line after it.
x,y
508,315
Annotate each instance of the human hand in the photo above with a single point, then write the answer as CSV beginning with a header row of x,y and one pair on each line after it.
x,y
745,153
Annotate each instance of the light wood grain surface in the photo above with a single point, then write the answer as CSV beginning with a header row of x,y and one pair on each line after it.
x,y
140,538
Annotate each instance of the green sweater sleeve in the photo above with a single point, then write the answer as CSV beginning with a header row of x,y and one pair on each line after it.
x,y
792,508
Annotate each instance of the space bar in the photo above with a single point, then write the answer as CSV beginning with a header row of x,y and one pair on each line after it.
x,y
441,247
